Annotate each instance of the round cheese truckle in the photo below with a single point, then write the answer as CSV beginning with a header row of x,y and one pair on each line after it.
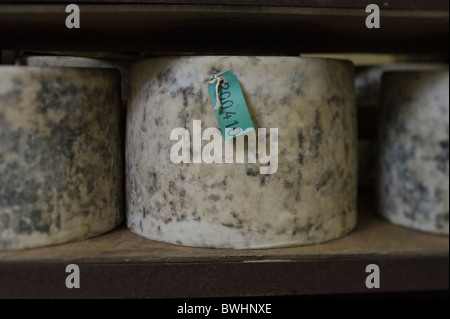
x,y
60,155
413,185
368,87
303,193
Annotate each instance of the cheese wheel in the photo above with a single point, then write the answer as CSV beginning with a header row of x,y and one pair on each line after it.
x,y
61,162
368,87
413,183
311,198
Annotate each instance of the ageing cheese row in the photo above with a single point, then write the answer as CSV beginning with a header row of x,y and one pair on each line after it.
x,y
69,170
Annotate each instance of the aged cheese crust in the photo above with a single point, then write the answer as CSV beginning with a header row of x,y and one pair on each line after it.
x,y
60,155
368,87
310,199
79,62
413,184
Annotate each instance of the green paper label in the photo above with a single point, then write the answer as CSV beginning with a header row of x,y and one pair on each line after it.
x,y
233,116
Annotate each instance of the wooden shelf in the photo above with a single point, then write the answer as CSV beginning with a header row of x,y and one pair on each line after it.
x,y
252,28
387,5
122,264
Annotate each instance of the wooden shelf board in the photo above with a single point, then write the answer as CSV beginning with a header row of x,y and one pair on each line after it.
x,y
159,29
387,5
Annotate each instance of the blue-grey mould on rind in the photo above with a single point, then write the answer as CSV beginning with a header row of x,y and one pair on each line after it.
x,y
413,160
60,155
